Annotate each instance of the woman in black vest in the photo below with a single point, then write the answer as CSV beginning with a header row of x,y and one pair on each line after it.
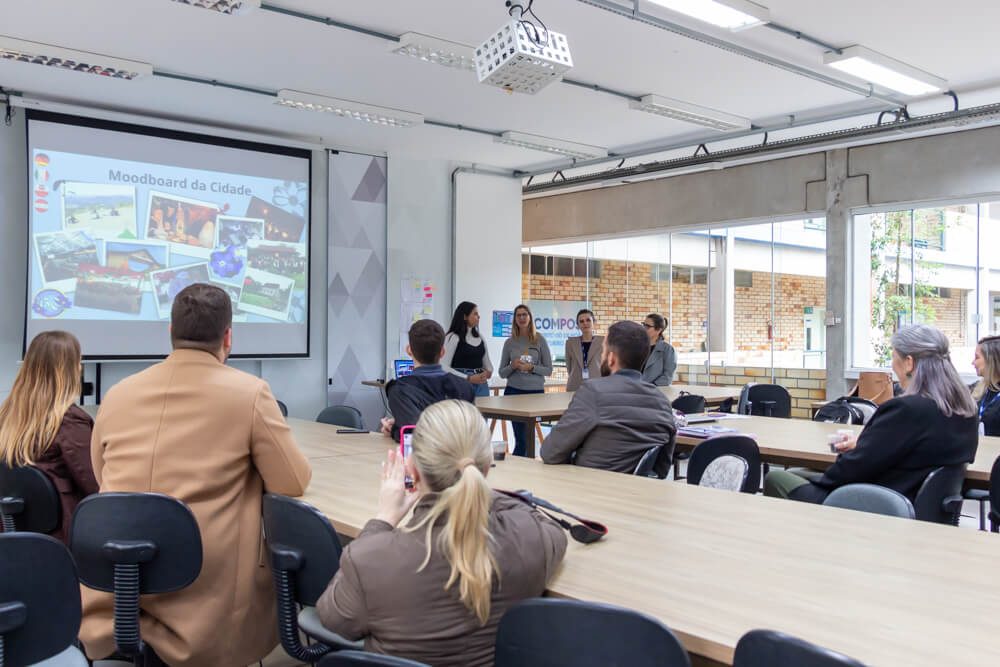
x,y
465,352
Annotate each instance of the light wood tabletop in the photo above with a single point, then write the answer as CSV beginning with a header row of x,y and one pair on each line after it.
x,y
495,383
713,564
803,443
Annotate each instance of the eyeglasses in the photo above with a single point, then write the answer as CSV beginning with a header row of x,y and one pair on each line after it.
x,y
648,326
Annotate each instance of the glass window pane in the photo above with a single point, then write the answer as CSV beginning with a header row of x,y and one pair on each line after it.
x,y
800,294
989,234
689,252
742,310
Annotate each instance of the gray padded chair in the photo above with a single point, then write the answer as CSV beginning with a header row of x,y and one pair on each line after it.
x,y
29,500
735,446
939,499
767,648
341,415
645,465
871,498
727,472
282,407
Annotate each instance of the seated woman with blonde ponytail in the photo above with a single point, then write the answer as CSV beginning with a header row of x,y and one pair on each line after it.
x,y
434,590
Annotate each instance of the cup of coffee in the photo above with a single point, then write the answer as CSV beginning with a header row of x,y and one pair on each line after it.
x,y
834,439
499,450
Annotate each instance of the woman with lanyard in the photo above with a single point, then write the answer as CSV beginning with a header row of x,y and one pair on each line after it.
x,y
987,390
583,352
465,352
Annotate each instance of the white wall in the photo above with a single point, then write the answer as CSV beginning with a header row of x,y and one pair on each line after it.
x,y
14,235
488,248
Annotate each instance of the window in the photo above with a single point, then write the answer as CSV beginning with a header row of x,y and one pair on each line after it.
x,y
743,278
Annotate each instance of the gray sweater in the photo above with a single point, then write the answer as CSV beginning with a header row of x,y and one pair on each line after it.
x,y
661,364
515,348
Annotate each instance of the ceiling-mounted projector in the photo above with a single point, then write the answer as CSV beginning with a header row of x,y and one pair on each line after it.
x,y
521,58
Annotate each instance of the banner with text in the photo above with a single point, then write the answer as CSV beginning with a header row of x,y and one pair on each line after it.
x,y
556,320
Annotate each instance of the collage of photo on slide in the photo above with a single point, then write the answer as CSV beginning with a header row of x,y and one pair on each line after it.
x,y
107,251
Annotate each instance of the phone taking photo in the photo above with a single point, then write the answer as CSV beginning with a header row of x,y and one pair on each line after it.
x,y
406,448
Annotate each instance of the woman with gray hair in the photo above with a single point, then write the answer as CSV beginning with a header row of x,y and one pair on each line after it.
x,y
933,424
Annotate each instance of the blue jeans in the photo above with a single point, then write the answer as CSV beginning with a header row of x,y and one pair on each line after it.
x,y
520,428
481,389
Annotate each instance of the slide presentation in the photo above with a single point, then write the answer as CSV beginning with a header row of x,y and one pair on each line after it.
x,y
123,218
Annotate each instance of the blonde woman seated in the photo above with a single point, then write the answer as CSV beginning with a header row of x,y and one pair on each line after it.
x,y
434,589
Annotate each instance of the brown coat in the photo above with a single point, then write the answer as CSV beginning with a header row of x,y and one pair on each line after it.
x,y
378,594
574,360
67,464
213,437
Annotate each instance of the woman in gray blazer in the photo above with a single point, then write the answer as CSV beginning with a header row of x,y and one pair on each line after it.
x,y
662,360
583,352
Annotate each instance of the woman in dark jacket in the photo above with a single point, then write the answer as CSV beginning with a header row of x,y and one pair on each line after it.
x,y
40,425
987,391
933,424
662,360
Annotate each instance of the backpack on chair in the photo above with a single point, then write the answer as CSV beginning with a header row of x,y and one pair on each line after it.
x,y
840,411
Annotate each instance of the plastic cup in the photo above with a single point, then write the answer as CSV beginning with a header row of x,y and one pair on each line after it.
x,y
499,450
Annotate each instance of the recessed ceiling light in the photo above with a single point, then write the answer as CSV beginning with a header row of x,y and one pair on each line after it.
x,y
690,113
548,145
368,113
231,7
729,14
435,50
884,71
20,50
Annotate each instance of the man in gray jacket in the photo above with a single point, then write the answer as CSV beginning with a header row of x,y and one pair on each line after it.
x,y
615,419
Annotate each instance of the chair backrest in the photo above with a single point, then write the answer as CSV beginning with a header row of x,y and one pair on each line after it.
x,y
348,658
39,598
741,405
341,415
769,400
871,498
39,510
727,472
689,404
767,648
645,466
282,407
735,445
302,541
839,411
549,631
939,498
106,518
867,407
995,491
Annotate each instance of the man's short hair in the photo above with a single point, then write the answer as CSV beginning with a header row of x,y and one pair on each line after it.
x,y
200,316
426,341
630,344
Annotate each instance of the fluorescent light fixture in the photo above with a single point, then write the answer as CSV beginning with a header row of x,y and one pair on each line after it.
x,y
435,50
547,145
20,50
884,71
690,113
730,14
368,113
231,7
667,173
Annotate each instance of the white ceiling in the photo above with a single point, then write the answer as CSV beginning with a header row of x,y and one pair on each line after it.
x,y
270,51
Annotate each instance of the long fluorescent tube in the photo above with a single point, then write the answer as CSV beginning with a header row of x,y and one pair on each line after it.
x,y
690,113
876,68
435,50
548,145
730,14
20,50
231,7
368,113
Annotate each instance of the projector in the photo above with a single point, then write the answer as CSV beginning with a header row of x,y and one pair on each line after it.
x,y
509,59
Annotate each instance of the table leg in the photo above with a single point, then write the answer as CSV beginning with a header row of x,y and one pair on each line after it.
x,y
529,439
538,428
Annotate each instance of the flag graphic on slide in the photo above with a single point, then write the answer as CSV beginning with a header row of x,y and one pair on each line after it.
x,y
41,160
41,191
41,206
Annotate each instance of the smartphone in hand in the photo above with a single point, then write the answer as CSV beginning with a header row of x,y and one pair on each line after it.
x,y
406,448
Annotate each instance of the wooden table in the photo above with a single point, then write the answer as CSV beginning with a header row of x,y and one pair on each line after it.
x,y
533,408
495,384
713,564
803,443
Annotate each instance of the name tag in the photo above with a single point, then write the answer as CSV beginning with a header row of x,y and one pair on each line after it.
x,y
982,428
586,376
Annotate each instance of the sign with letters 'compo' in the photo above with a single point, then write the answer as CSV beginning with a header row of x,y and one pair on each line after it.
x,y
556,320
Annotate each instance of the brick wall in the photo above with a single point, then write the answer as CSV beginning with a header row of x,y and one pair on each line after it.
x,y
753,310
950,316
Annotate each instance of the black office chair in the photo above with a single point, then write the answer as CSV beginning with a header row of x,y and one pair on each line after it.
x,y
547,632
689,404
767,648
39,602
134,544
29,500
766,400
939,499
341,415
305,554
984,496
282,407
739,446
645,465
350,658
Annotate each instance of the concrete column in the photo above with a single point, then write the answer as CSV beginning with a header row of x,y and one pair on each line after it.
x,y
837,270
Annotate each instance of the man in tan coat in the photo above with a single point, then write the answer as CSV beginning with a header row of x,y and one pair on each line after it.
x,y
213,437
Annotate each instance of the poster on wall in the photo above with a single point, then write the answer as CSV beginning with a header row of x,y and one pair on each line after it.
x,y
556,320
502,319
416,302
